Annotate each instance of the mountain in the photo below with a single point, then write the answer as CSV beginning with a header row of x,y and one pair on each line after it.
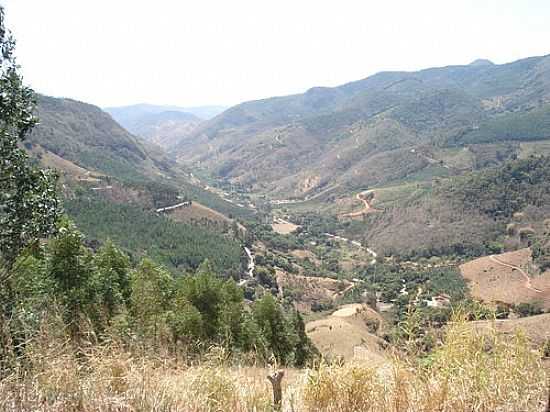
x,y
165,128
127,114
88,137
162,125
389,127
481,62
112,182
479,213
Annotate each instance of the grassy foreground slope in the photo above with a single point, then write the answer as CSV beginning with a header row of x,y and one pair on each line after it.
x,y
459,375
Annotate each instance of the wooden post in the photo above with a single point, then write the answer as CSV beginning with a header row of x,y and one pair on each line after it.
x,y
275,379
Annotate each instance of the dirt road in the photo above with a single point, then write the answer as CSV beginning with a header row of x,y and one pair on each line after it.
x,y
166,209
355,243
520,270
367,207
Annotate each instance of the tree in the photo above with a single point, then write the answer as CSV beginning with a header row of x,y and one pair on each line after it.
x,y
152,290
184,320
28,202
304,349
113,278
70,266
274,328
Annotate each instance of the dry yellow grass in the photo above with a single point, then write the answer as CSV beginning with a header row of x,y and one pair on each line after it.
x,y
345,334
468,372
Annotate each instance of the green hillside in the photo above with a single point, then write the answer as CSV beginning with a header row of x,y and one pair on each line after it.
x,y
87,136
178,246
468,215
297,145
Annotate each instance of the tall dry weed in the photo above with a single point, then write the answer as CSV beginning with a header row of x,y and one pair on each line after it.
x,y
467,372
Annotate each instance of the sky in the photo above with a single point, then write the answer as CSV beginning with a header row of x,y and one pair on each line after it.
x,y
223,52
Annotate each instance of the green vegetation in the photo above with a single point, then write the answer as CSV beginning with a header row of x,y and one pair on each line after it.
x,y
421,283
89,137
140,232
528,309
523,126
86,326
541,247
375,131
463,216
502,192
103,294
28,204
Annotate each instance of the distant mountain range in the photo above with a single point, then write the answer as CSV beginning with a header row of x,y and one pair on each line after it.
x,y
163,125
385,128
393,132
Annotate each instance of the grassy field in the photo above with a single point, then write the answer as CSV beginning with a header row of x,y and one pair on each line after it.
x,y
460,375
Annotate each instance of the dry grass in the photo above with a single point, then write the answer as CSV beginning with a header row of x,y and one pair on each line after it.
x,y
493,282
345,334
468,372
197,212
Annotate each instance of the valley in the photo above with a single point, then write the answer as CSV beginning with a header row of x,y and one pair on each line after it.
x,y
384,244
315,252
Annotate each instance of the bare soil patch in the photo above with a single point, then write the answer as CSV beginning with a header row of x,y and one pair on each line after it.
x,y
345,334
505,278
197,212
283,227
536,328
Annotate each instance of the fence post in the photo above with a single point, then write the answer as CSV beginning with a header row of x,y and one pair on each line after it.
x,y
275,379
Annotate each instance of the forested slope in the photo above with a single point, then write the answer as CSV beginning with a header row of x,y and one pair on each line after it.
x,y
466,215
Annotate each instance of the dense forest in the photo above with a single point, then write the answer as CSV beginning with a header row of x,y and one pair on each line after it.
x,y
143,233
500,192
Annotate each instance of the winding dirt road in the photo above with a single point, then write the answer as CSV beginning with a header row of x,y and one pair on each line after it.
x,y
367,207
520,270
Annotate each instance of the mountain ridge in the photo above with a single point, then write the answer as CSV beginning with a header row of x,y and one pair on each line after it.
x,y
304,136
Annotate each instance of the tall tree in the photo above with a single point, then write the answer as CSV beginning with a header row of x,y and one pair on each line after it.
x,y
152,291
70,266
28,202
113,278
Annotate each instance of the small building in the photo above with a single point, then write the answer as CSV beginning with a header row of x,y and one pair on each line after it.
x,y
441,300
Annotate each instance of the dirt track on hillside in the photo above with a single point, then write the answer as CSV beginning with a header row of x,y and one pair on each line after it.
x,y
367,207
503,278
520,270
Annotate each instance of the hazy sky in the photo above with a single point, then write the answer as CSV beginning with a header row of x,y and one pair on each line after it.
x,y
115,52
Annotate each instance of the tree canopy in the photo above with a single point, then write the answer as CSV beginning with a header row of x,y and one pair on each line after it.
x,y
28,202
